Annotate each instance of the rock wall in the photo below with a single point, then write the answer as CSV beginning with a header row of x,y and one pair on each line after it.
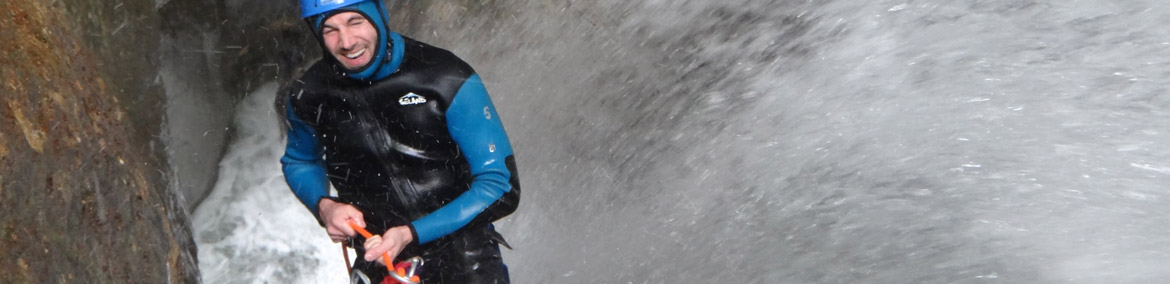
x,y
83,178
114,116
213,53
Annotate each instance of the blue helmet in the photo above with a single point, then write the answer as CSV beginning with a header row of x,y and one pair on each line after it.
x,y
316,11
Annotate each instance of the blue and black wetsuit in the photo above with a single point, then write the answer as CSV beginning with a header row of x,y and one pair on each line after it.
x,y
423,147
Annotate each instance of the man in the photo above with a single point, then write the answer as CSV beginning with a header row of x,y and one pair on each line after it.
x,y
408,136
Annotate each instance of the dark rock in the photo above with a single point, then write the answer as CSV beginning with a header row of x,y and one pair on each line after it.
x,y
85,187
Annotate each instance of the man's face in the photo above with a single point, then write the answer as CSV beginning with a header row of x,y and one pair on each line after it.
x,y
350,38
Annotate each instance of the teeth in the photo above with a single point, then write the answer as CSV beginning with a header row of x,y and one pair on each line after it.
x,y
356,54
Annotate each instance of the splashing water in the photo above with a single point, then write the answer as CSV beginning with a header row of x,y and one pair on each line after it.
x,y
791,142
251,228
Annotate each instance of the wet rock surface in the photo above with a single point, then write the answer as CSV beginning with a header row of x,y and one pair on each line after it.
x,y
83,178
213,53
113,118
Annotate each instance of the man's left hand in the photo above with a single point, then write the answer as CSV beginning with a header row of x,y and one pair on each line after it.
x,y
392,242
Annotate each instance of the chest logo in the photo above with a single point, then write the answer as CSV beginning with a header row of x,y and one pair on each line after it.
x,y
411,99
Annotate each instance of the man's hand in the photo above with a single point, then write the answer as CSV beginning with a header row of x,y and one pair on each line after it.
x,y
391,243
336,216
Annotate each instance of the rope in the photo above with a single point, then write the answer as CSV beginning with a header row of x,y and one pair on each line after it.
x,y
345,253
366,234
397,271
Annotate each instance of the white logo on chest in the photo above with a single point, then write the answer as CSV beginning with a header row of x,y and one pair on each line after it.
x,y
411,99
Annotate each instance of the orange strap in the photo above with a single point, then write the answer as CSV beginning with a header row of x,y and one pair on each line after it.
x,y
398,269
367,235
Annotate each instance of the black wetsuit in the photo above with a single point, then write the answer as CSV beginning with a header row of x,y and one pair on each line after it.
x,y
423,147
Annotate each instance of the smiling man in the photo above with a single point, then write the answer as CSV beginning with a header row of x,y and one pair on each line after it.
x,y
349,37
409,137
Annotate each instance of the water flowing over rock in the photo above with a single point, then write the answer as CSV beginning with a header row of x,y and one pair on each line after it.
x,y
770,141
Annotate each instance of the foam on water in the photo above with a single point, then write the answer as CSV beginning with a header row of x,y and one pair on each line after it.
x,y
251,229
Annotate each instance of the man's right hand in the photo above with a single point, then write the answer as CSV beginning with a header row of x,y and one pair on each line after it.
x,y
336,216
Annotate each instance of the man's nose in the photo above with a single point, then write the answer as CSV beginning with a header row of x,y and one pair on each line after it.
x,y
346,38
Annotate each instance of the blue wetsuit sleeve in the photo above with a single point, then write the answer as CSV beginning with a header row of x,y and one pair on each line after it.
x,y
302,163
475,126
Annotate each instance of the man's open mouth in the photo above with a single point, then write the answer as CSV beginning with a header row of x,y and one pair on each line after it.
x,y
355,55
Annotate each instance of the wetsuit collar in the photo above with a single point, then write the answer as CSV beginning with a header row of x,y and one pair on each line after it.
x,y
397,50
